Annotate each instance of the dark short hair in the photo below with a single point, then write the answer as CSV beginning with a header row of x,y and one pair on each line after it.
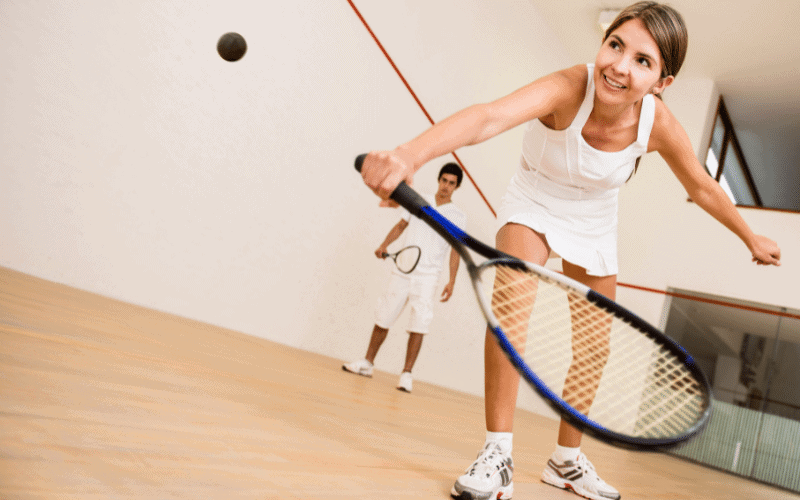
x,y
452,168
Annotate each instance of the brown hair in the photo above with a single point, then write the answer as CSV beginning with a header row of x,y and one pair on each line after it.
x,y
667,28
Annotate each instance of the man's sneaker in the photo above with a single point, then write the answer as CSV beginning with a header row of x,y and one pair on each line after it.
x,y
488,478
360,367
578,476
405,382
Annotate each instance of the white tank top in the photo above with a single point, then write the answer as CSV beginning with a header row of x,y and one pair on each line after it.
x,y
568,190
564,158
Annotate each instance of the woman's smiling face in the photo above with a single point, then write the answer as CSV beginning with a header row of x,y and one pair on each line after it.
x,y
629,65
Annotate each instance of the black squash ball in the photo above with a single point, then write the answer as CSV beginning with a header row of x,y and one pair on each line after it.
x,y
231,46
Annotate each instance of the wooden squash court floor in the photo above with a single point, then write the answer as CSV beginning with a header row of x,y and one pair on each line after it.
x,y
104,400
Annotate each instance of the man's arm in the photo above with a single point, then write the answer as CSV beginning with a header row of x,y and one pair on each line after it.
x,y
394,233
448,289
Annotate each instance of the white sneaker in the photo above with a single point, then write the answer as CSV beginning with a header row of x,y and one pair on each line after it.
x,y
360,367
490,477
405,382
578,476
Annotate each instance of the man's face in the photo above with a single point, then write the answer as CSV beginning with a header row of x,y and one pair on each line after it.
x,y
447,184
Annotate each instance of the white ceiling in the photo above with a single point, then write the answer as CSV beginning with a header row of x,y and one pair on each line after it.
x,y
750,48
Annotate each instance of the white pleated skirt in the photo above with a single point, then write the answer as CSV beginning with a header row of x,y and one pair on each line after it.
x,y
580,225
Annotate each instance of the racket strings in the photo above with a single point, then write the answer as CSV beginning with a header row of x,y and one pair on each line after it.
x,y
407,258
514,298
602,366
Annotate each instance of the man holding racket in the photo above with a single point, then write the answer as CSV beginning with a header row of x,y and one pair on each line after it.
x,y
587,127
417,288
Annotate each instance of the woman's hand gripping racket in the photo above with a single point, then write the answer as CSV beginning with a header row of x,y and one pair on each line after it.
x,y
605,370
406,259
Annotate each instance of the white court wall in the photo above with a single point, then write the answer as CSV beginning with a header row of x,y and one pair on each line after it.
x,y
666,241
137,164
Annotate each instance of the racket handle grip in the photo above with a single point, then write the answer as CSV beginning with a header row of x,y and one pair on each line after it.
x,y
403,194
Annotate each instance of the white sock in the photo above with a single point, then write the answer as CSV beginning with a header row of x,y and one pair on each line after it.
x,y
504,439
565,453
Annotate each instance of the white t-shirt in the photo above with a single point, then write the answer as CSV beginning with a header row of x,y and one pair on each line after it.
x,y
434,248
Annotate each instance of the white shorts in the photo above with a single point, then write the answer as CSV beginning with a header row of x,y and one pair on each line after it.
x,y
418,292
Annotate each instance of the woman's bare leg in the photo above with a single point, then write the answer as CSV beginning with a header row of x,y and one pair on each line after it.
x,y
568,435
501,380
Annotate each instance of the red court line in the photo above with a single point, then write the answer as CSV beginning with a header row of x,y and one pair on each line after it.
x,y
419,103
713,301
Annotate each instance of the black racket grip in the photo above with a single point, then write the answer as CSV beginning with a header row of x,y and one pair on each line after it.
x,y
403,194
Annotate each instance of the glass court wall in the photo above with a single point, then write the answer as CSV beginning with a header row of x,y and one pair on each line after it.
x,y
751,354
